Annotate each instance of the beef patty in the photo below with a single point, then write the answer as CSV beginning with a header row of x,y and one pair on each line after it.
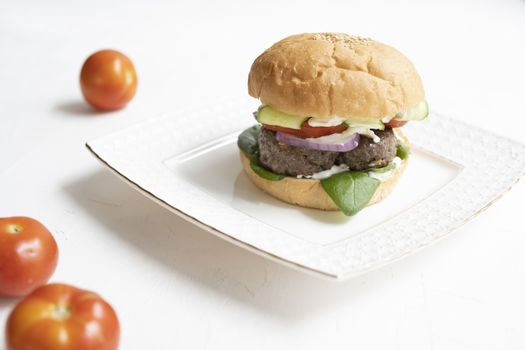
x,y
291,160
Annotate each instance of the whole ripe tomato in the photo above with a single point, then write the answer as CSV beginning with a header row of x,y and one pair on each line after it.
x,y
307,131
108,80
28,255
62,317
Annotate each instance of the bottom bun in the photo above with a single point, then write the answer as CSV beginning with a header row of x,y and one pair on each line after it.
x,y
309,193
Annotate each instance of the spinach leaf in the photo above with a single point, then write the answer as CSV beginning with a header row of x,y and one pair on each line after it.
x,y
402,150
247,142
351,191
384,169
264,173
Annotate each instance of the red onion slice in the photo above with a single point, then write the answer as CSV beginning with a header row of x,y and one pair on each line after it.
x,y
344,146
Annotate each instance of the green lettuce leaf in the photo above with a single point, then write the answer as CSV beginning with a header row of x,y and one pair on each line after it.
x,y
384,169
264,173
247,142
351,191
402,150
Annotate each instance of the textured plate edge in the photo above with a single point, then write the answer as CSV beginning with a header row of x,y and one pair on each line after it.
x,y
445,234
317,273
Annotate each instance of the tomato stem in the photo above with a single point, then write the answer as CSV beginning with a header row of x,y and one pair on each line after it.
x,y
14,229
61,312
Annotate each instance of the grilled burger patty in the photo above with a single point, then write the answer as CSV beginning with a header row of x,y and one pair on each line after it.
x,y
291,160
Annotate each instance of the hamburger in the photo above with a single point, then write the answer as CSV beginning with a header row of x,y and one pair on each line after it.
x,y
329,126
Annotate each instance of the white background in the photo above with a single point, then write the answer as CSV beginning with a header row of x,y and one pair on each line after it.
x,y
177,287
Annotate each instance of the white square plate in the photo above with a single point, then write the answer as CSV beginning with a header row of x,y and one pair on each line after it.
x,y
189,162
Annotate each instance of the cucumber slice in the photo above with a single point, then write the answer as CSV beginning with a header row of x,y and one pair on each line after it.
x,y
365,123
418,112
269,116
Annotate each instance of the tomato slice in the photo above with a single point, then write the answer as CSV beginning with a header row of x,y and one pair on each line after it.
x,y
395,123
308,131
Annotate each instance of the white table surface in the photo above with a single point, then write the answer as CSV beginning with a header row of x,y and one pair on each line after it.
x,y
175,286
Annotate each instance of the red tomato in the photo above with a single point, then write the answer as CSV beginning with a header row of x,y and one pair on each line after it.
x,y
28,255
395,123
108,80
62,317
307,131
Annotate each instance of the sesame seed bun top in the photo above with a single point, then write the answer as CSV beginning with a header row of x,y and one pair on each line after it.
x,y
334,74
